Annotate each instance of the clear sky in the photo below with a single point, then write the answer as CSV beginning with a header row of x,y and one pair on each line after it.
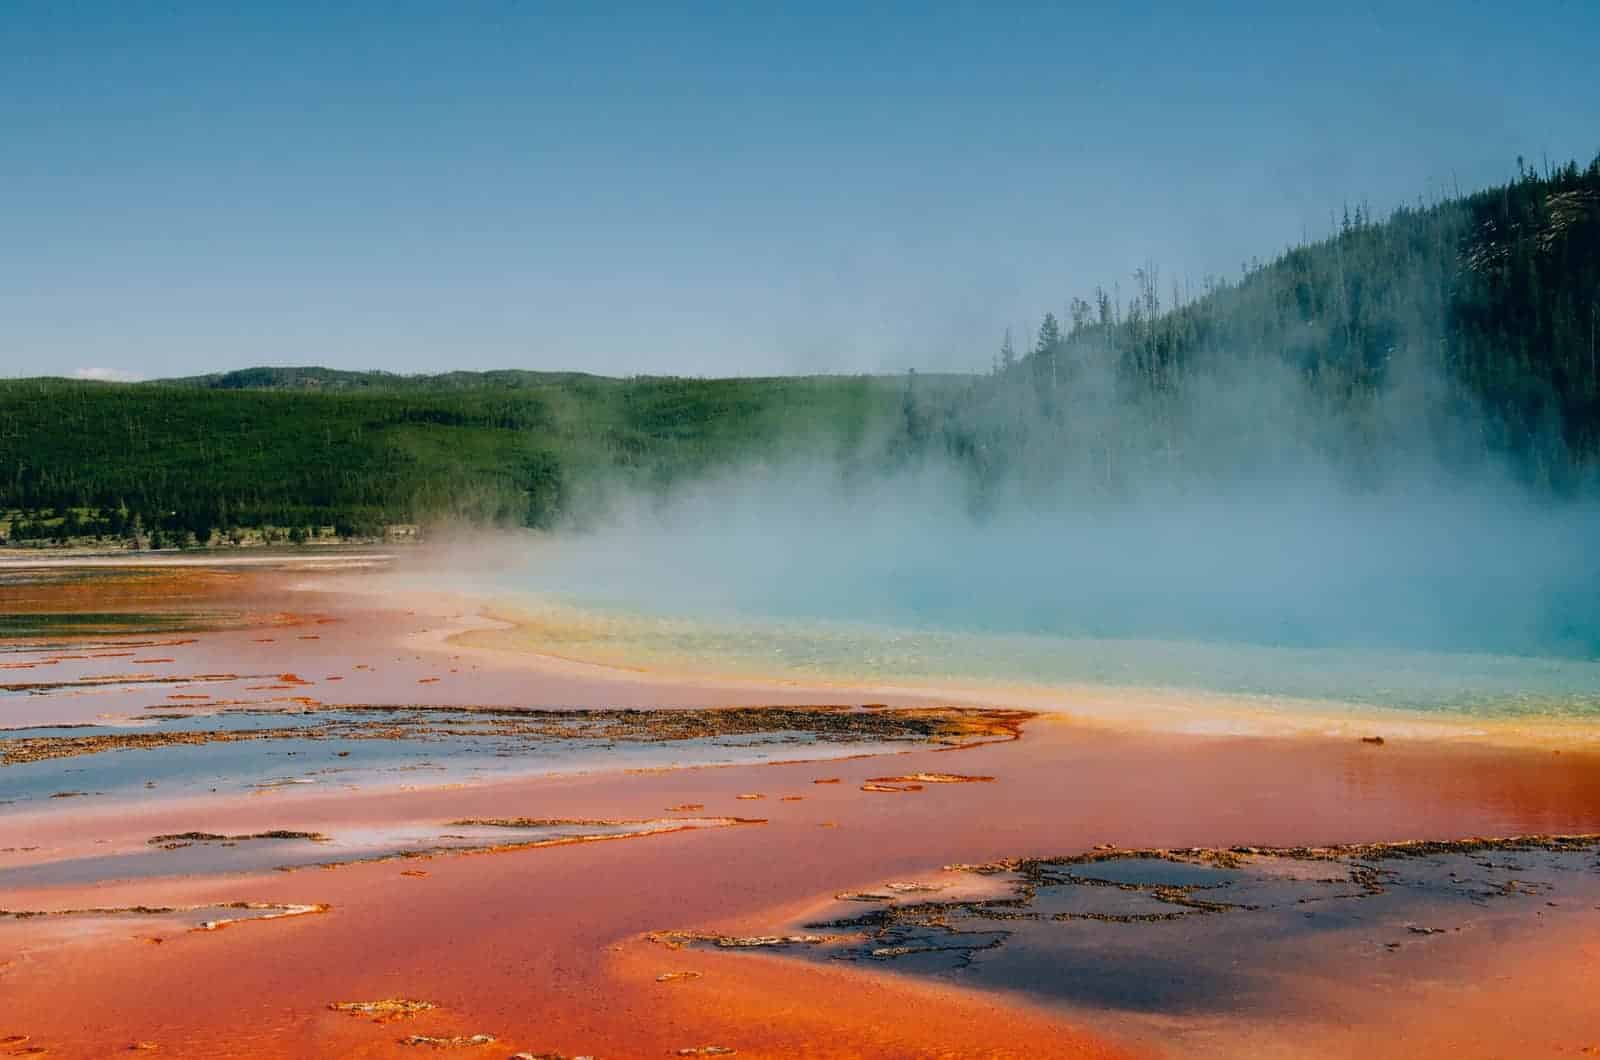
x,y
707,189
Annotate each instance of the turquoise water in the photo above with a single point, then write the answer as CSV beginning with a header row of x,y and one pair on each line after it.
x,y
1472,684
1475,601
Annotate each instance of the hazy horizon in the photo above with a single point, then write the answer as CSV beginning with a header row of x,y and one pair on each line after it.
x,y
707,192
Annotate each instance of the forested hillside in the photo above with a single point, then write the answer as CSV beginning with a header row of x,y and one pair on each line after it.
x,y
298,448
1462,333
1470,327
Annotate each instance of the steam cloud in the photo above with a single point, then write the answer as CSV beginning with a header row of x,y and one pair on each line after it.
x,y
1241,512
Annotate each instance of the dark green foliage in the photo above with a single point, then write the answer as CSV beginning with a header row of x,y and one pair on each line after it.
x,y
1496,294
545,489
308,447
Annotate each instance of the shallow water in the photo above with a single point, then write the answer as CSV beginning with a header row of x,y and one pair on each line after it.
x,y
1470,685
245,750
1217,602
1189,939
193,853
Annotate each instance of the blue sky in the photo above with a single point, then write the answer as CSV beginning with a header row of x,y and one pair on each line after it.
x,y
707,189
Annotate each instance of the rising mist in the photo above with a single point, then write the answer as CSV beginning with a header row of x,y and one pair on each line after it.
x,y
1246,509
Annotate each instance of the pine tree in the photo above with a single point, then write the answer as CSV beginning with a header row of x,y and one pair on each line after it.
x,y
1048,348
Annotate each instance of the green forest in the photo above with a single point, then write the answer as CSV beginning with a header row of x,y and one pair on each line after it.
x,y
1481,311
1470,327
308,449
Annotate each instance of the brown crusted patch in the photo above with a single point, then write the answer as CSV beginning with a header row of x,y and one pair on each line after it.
x,y
950,726
388,1008
269,911
1238,856
579,822
183,839
108,680
677,940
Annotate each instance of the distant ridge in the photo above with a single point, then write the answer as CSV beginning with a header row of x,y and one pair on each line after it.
x,y
316,378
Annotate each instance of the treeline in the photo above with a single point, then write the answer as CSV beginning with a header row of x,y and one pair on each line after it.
x,y
196,458
1467,330
1487,307
164,529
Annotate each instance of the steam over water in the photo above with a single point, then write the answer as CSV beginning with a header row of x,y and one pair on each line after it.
x,y
1478,602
